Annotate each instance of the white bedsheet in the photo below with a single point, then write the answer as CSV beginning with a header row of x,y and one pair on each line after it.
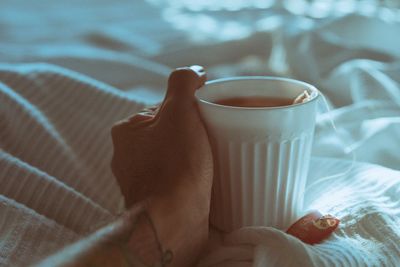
x,y
52,120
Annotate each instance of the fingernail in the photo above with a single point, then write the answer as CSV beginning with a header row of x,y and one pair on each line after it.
x,y
198,69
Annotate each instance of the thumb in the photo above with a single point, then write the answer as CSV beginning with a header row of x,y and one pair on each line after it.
x,y
183,83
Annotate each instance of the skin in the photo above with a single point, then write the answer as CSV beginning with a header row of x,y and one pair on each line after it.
x,y
163,154
163,163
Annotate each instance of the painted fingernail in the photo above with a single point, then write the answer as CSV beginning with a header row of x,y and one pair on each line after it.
x,y
313,228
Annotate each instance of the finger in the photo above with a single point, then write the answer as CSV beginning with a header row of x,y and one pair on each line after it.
x,y
140,117
145,114
135,120
152,109
183,83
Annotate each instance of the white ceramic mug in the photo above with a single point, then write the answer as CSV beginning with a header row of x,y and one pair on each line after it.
x,y
261,155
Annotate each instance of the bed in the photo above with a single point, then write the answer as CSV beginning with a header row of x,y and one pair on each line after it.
x,y
69,69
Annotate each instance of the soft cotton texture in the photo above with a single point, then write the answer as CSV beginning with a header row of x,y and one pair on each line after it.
x,y
55,182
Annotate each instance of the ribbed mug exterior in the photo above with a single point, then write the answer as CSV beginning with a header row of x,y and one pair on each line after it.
x,y
261,155
259,183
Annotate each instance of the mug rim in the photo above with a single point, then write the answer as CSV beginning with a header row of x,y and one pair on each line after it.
x,y
314,96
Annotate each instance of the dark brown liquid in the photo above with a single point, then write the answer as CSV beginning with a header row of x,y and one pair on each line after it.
x,y
255,101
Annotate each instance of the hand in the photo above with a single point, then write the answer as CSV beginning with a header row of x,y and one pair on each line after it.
x,y
163,155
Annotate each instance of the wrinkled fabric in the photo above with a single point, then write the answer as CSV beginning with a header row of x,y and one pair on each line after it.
x,y
106,60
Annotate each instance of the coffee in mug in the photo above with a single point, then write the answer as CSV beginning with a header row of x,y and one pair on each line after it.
x,y
255,101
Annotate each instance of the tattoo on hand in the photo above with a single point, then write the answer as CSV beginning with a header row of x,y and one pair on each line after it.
x,y
144,243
